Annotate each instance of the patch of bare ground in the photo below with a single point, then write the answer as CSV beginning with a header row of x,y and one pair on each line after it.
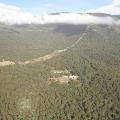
x,y
62,76
44,58
33,61
6,63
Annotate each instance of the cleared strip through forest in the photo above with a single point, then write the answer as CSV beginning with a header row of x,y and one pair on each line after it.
x,y
46,57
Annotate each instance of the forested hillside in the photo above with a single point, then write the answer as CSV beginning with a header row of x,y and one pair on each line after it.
x,y
25,92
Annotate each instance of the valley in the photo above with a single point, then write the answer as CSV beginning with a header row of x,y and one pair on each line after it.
x,y
60,72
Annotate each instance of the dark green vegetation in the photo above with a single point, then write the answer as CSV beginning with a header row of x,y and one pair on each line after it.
x,y
24,90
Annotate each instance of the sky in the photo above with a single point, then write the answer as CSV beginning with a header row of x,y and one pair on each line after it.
x,y
48,6
35,11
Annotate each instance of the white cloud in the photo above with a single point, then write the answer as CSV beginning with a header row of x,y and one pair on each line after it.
x,y
75,18
14,15
112,8
109,9
116,2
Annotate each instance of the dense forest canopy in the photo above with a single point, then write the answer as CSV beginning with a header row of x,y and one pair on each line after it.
x,y
25,92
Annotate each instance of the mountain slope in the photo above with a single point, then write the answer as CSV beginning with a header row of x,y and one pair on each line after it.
x,y
25,92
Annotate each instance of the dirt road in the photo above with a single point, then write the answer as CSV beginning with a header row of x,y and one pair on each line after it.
x,y
46,57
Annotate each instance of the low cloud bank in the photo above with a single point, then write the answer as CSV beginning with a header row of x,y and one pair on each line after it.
x,y
14,15
74,18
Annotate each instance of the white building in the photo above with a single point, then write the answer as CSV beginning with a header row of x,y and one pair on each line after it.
x,y
73,77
